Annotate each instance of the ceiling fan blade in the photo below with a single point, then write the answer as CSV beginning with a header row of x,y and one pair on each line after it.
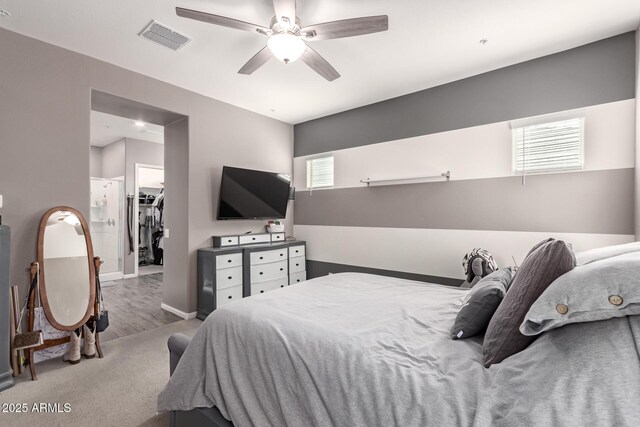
x,y
221,20
285,11
346,28
319,64
258,60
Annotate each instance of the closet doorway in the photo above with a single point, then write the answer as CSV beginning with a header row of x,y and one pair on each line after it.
x,y
149,221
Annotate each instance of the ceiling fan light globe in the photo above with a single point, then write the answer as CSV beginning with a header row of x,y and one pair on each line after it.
x,y
286,47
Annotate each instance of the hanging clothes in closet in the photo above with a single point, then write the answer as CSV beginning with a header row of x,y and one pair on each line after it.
x,y
151,229
157,241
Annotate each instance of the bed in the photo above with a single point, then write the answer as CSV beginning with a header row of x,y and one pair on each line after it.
x,y
356,349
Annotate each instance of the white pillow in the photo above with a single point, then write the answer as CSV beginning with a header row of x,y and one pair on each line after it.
x,y
598,254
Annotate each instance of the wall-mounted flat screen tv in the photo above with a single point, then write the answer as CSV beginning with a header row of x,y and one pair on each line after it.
x,y
252,194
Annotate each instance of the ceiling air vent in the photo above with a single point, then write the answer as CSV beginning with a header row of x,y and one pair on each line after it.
x,y
161,34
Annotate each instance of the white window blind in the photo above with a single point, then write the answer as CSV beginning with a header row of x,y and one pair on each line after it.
x,y
320,172
548,147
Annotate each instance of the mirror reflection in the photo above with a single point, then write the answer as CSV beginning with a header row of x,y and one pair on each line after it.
x,y
66,265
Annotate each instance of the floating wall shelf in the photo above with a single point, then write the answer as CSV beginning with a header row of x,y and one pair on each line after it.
x,y
410,180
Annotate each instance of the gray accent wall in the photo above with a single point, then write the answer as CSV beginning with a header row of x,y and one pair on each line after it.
x,y
596,73
578,202
319,268
45,102
425,228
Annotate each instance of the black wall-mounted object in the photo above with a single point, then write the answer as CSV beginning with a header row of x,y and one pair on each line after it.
x,y
252,194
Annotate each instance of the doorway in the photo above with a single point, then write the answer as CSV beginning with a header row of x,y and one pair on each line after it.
x,y
149,195
127,218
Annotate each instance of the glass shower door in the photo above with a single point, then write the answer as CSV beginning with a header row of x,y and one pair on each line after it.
x,y
107,215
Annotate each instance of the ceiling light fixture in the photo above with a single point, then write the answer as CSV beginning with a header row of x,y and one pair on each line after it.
x,y
139,123
483,41
286,47
4,13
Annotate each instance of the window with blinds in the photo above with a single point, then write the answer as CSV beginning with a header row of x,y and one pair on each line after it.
x,y
549,147
320,172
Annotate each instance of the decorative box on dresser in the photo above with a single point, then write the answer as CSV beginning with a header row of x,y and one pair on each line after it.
x,y
247,265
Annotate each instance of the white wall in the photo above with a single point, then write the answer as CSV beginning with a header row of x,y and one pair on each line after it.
x,y
637,156
113,160
95,162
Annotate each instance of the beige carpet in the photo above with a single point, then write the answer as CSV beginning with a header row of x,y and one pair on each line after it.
x,y
118,390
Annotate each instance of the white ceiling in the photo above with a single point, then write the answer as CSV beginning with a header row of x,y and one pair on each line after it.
x,y
106,129
429,42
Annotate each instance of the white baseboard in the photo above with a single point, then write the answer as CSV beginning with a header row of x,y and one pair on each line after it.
x,y
129,276
178,312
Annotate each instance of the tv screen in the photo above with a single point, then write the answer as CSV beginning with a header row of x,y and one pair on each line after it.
x,y
251,194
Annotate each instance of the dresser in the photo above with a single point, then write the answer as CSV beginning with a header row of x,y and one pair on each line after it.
x,y
226,274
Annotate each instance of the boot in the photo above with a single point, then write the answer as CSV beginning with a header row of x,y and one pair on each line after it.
x,y
89,344
73,354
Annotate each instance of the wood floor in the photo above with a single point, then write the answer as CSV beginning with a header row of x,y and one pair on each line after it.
x,y
134,306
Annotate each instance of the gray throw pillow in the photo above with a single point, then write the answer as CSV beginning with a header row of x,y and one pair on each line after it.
x,y
480,304
599,290
593,255
538,270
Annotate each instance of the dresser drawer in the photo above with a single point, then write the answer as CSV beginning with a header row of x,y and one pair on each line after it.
x,y
297,277
228,277
264,257
297,264
297,250
225,296
267,272
277,237
260,288
224,241
228,261
255,238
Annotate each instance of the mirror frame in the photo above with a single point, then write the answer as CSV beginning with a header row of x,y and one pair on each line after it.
x,y
92,273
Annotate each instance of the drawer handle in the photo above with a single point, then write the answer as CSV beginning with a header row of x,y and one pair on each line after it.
x,y
229,297
230,277
282,286
229,241
261,273
281,254
253,238
229,260
281,269
262,292
297,264
261,257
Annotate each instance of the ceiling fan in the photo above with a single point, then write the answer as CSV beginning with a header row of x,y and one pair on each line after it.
x,y
287,36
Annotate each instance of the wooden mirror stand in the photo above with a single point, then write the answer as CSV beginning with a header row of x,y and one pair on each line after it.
x,y
57,341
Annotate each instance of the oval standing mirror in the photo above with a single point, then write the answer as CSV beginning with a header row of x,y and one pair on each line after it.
x,y
67,276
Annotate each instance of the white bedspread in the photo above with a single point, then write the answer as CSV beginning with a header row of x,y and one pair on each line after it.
x,y
362,350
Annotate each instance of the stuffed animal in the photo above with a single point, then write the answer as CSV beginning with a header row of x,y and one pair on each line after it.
x,y
477,264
